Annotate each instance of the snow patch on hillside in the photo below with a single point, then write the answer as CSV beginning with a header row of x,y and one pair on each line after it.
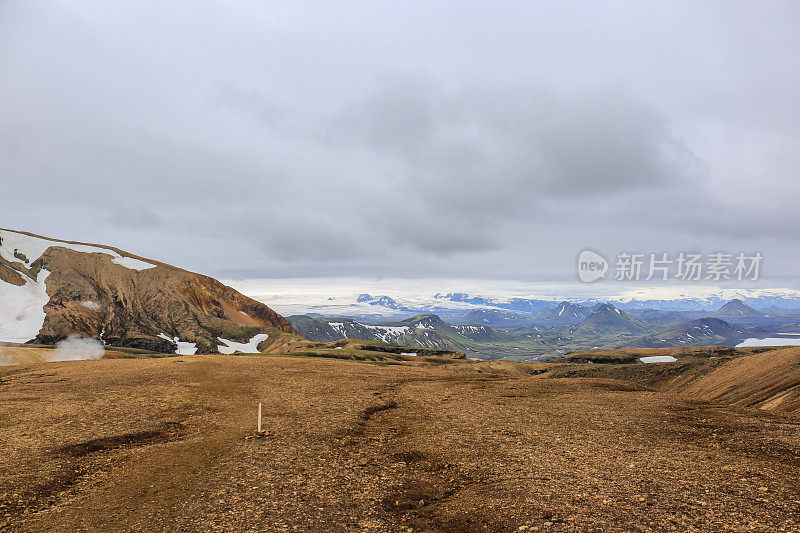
x,y
250,346
338,327
22,308
130,262
769,341
184,348
471,328
658,359
387,332
34,247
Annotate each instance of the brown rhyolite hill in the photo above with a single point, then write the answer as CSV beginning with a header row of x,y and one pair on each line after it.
x,y
92,296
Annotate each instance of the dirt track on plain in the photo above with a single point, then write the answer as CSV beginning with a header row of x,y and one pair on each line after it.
x,y
163,445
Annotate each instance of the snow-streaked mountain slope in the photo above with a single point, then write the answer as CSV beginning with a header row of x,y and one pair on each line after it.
x,y
52,289
26,247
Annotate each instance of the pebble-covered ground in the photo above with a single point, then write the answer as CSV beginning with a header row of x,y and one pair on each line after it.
x,y
169,445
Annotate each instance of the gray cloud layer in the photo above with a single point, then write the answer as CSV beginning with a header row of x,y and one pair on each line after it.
x,y
415,139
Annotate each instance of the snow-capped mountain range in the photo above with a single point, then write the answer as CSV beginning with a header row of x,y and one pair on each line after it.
x,y
330,298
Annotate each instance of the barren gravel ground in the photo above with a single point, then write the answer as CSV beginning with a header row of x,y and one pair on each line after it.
x,y
161,445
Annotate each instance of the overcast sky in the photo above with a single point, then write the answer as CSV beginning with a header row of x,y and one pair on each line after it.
x,y
489,140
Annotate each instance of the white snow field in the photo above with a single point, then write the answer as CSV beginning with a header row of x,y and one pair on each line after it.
x,y
769,341
387,332
248,347
184,348
21,309
658,359
21,313
34,247
338,327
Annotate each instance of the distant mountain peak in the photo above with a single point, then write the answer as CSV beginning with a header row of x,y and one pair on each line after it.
x,y
564,313
736,308
426,320
607,319
380,301
606,307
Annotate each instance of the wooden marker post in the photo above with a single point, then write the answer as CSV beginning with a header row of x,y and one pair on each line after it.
x,y
259,417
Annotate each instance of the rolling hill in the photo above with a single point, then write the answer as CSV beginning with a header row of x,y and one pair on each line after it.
x,y
656,317
494,318
700,332
331,329
481,332
423,331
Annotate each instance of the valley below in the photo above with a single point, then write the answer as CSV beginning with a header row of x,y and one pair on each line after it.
x,y
707,443
490,334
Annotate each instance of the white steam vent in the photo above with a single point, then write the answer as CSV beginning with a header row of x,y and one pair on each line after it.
x,y
76,348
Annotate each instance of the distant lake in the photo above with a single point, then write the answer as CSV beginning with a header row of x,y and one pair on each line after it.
x,y
772,341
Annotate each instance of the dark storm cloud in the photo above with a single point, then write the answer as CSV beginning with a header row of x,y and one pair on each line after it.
x,y
377,138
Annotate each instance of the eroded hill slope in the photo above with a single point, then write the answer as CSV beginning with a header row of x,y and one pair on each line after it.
x,y
52,289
